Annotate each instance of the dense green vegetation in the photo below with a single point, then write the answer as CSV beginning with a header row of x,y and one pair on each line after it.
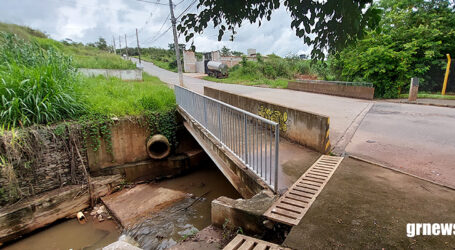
x,y
40,84
36,85
274,71
163,58
411,41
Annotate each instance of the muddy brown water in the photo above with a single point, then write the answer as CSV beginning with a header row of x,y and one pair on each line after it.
x,y
159,231
70,235
186,217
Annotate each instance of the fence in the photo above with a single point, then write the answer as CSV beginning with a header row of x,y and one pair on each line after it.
x,y
251,138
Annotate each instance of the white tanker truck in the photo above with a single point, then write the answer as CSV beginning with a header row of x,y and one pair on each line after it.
x,y
217,69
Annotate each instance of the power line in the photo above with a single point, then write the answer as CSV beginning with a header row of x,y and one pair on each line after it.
x,y
158,36
187,8
157,3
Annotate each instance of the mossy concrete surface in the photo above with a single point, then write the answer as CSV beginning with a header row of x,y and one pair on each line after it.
x,y
365,206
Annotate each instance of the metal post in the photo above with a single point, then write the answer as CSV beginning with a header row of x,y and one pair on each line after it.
x,y
205,113
219,122
446,77
277,136
246,138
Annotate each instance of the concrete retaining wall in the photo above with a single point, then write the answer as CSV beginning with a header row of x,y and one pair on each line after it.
x,y
129,153
127,74
306,128
331,88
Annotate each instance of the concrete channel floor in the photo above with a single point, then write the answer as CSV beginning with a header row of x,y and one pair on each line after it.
x,y
364,206
378,129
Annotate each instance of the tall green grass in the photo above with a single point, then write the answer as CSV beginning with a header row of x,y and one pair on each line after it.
x,y
94,58
36,85
83,56
41,86
113,97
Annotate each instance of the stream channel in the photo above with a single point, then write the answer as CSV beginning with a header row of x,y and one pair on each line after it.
x,y
158,231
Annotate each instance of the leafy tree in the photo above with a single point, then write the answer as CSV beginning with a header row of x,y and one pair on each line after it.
x,y
101,44
181,46
325,25
237,53
225,51
413,37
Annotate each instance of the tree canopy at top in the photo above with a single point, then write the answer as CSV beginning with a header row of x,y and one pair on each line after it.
x,y
325,25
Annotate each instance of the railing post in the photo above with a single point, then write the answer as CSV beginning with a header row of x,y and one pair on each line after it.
x,y
219,122
277,138
246,138
205,112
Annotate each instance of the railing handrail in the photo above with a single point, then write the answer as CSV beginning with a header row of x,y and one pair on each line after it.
x,y
232,107
247,136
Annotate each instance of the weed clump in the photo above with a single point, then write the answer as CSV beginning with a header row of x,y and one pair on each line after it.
x,y
36,85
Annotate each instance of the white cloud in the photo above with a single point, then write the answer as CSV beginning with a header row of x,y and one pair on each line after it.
x,y
85,21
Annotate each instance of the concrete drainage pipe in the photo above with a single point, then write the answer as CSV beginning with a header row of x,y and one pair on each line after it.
x,y
158,147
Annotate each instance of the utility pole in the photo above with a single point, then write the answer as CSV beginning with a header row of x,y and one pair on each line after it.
x,y
115,48
138,48
126,47
176,43
120,44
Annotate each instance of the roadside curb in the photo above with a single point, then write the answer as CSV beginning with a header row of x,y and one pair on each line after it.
x,y
425,104
339,147
399,171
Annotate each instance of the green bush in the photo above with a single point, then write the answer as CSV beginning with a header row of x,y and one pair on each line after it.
x,y
412,40
36,85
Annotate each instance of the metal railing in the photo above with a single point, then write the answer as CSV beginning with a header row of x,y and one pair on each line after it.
x,y
251,138
363,84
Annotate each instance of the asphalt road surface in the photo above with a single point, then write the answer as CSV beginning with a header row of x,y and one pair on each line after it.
x,y
416,139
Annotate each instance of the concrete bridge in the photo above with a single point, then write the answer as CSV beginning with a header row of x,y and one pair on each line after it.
x,y
246,146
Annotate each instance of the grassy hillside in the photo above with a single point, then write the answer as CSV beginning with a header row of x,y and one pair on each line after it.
x,y
163,58
39,84
83,56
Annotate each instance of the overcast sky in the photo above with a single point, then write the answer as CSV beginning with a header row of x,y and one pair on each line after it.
x,y
87,20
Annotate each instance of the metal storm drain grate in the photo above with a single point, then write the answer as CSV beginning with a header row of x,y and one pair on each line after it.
x,y
292,206
242,242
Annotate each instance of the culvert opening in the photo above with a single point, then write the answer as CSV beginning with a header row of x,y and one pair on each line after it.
x,y
158,147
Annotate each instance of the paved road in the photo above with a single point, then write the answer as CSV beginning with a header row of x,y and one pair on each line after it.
x,y
413,138
342,111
